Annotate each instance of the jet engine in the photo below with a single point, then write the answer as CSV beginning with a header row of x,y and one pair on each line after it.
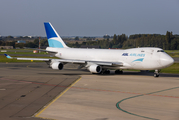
x,y
57,66
95,68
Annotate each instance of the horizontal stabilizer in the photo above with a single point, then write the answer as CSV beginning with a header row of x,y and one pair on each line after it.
x,y
38,59
47,51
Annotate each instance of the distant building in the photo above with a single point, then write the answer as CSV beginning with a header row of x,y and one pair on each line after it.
x,y
6,47
21,41
29,36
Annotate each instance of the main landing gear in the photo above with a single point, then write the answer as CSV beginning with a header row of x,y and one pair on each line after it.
x,y
118,72
156,73
108,72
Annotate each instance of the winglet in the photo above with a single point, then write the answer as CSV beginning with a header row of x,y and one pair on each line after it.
x,y
8,56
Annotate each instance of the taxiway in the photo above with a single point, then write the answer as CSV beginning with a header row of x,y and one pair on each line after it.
x,y
27,89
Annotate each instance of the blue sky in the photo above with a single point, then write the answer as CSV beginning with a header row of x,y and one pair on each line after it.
x,y
89,17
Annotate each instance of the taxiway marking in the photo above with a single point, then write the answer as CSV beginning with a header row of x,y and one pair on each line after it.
x,y
45,107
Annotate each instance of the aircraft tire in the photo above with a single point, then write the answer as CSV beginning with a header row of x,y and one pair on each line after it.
x,y
118,72
106,72
156,75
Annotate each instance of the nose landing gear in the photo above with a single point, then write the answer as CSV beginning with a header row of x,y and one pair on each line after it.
x,y
156,73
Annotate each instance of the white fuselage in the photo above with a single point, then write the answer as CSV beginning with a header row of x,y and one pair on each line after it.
x,y
135,58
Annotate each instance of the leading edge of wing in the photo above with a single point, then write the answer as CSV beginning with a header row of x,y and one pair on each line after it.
x,y
103,63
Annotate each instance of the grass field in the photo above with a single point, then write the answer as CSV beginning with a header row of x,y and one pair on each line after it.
x,y
172,69
22,52
18,52
173,53
6,60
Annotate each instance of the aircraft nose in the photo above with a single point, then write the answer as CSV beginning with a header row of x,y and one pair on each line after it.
x,y
166,60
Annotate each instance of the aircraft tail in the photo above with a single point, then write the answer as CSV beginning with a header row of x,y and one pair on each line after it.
x,y
54,40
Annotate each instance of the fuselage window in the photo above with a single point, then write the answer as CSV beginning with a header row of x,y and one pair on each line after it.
x,y
160,51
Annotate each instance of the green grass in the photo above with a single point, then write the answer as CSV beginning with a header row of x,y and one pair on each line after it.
x,y
22,53
17,49
18,52
173,53
172,69
3,59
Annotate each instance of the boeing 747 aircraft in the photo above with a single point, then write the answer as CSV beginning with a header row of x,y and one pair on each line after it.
x,y
102,60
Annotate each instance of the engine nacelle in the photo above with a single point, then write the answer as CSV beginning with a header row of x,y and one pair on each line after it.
x,y
95,68
57,66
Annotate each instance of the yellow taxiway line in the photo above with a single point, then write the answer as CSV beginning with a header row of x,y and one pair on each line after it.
x,y
45,107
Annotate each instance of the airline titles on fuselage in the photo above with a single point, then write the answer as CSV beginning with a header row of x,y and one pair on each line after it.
x,y
133,54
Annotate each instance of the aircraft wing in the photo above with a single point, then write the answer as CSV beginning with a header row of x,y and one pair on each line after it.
x,y
103,63
47,59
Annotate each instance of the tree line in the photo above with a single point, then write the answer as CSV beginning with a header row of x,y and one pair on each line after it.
x,y
33,44
166,42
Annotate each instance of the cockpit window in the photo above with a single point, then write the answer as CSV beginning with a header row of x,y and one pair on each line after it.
x,y
160,50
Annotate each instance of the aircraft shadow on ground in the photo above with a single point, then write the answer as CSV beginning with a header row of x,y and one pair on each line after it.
x,y
150,74
126,73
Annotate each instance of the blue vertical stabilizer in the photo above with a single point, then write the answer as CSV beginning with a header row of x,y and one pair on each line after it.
x,y
54,40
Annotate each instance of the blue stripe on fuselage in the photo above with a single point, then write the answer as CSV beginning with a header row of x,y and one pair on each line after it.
x,y
140,59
